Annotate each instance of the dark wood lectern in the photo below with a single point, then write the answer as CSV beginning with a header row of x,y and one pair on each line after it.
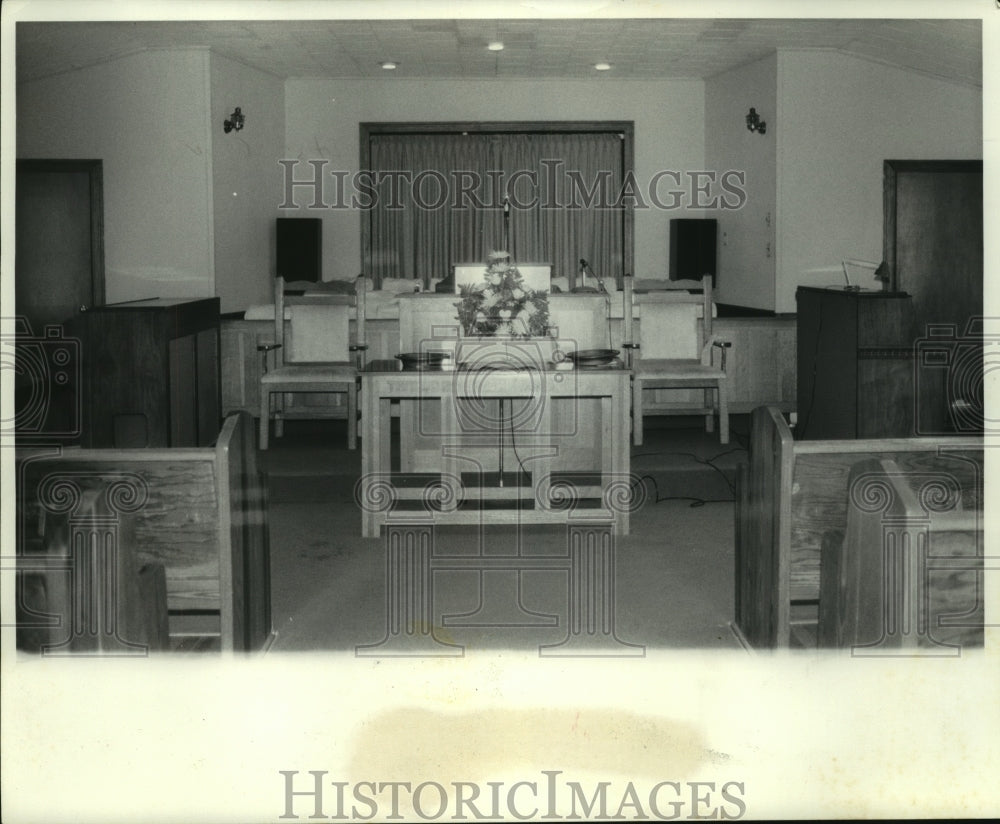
x,y
855,364
152,373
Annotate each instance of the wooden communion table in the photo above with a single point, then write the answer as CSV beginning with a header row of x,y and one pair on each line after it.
x,y
507,444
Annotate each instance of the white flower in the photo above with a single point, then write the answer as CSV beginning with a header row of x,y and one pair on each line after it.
x,y
505,314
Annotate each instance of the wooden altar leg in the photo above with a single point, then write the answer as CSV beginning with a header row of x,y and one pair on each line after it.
x,y
637,411
409,409
542,461
616,455
374,497
450,471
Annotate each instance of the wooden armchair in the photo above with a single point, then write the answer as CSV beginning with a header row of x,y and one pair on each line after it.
x,y
315,356
675,351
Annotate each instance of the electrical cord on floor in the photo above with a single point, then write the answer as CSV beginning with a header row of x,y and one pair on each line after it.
x,y
708,462
695,502
742,440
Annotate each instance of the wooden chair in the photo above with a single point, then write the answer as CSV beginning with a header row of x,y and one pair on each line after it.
x,y
675,351
315,355
580,322
428,322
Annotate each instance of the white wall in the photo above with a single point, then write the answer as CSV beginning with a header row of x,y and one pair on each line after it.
x,y
144,116
746,253
322,117
245,174
173,228
838,118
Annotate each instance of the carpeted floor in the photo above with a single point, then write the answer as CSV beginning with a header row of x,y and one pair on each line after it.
x,y
674,575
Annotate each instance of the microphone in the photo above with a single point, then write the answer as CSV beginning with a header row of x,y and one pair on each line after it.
x,y
506,205
584,264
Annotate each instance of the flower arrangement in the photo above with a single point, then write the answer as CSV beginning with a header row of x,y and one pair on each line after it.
x,y
503,304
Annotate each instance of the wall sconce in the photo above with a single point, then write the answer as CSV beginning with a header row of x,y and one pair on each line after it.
x,y
754,123
235,121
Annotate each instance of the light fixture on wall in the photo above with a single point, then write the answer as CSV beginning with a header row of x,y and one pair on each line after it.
x,y
390,65
754,123
235,122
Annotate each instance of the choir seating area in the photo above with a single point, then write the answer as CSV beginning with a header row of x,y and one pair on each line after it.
x,y
760,359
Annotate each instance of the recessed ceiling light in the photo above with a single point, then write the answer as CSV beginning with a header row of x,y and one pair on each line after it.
x,y
602,67
496,45
389,65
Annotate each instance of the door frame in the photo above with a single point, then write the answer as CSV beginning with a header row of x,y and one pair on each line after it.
x,y
891,171
95,171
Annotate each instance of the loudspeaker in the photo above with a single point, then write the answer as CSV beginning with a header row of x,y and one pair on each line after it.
x,y
300,248
692,248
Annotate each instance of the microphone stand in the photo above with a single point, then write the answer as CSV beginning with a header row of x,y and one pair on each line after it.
x,y
506,228
628,345
598,278
510,257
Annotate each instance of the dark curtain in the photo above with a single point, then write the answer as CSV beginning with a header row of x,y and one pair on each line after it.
x,y
450,191
569,223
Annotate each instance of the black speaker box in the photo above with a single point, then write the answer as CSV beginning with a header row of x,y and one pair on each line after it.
x,y
692,248
300,248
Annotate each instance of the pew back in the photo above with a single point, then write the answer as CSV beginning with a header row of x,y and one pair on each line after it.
x,y
907,575
793,495
203,516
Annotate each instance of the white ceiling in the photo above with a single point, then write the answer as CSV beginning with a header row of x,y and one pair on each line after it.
x,y
539,48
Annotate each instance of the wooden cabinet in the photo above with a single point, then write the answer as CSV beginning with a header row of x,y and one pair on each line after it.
x,y
855,364
152,373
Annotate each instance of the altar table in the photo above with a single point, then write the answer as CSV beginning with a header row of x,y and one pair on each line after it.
x,y
528,419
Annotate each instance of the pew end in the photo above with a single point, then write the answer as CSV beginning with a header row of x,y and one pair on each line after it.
x,y
193,518
793,509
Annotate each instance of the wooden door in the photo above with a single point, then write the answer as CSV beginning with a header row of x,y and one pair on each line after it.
x,y
59,263
934,238
58,268
934,251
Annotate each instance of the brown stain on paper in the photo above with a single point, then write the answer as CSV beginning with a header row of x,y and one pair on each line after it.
x,y
415,744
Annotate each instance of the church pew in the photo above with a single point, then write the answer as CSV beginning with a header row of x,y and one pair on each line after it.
x,y
791,497
201,513
907,575
80,591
